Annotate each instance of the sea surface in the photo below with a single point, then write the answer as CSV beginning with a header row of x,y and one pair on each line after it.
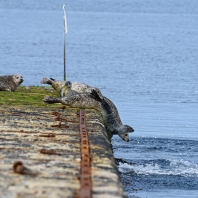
x,y
143,55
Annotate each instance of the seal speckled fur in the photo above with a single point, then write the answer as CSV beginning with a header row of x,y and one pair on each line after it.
x,y
62,88
79,100
10,82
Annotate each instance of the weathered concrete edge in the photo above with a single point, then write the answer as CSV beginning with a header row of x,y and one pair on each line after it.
x,y
105,174
106,181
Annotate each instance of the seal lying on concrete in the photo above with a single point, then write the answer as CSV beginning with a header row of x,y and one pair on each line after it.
x,y
63,89
10,82
112,125
79,100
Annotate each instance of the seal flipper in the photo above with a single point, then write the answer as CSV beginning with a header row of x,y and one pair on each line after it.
x,y
95,95
50,99
52,79
46,81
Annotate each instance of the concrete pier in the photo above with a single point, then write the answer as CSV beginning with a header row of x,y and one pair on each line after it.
x,y
40,154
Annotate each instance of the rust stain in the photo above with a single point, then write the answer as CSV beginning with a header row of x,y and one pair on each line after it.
x,y
85,177
51,135
61,126
19,168
50,152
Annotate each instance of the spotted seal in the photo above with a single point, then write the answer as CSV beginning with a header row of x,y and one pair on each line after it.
x,y
10,82
79,100
63,89
112,125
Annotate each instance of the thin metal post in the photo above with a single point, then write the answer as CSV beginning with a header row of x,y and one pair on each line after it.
x,y
64,35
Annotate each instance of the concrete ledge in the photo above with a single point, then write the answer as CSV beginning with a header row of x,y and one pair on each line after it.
x,y
50,152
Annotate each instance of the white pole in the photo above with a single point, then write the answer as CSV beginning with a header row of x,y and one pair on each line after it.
x,y
64,35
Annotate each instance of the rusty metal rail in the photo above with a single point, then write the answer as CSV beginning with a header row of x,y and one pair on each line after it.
x,y
85,177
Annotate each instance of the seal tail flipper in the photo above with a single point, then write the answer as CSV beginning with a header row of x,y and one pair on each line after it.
x,y
95,95
50,100
98,97
52,79
46,81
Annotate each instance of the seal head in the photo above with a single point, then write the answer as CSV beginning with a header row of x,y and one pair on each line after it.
x,y
66,90
18,79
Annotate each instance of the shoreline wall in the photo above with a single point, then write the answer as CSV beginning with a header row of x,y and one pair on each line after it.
x,y
47,142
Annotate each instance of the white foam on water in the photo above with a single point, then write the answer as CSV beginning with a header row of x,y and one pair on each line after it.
x,y
176,167
165,193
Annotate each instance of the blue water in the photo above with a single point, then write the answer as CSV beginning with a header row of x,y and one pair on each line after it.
x,y
143,55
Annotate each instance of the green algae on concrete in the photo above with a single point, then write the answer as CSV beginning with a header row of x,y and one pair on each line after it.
x,y
31,95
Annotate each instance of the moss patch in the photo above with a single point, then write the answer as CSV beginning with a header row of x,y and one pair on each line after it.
x,y
32,95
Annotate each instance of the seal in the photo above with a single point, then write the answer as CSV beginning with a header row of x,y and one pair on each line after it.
x,y
79,100
111,124
10,82
63,89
